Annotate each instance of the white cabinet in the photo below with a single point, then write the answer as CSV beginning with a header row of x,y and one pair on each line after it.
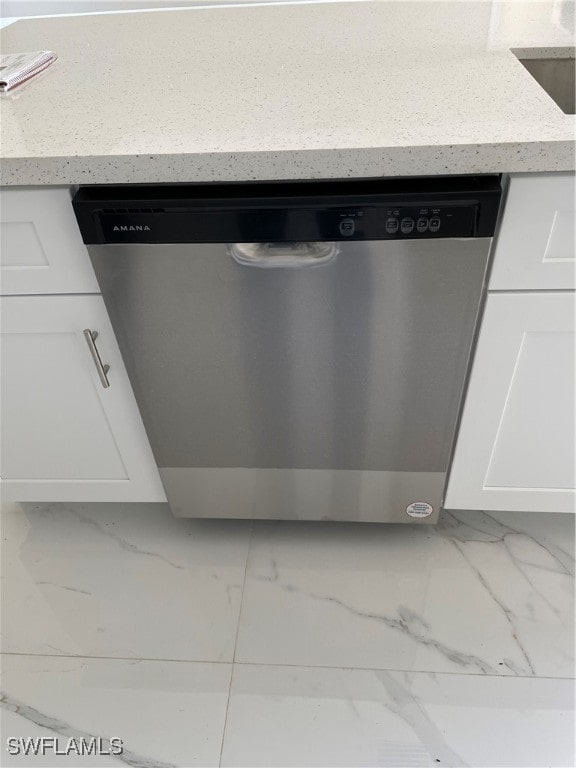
x,y
515,445
536,245
41,250
64,436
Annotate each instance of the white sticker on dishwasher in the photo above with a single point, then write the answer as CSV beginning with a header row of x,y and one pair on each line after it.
x,y
419,509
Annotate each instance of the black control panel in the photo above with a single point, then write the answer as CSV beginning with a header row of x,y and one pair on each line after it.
x,y
394,209
430,220
401,221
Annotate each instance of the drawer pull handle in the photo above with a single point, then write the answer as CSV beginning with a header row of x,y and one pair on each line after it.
x,y
102,369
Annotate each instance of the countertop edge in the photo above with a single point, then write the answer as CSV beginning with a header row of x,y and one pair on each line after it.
x,y
545,156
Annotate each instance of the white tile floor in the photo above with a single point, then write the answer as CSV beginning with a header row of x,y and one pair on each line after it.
x,y
206,643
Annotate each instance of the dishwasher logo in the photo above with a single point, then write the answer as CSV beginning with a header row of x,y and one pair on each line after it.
x,y
131,228
419,509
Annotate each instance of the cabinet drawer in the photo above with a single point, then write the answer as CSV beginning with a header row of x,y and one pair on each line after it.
x,y
41,248
516,444
535,248
65,436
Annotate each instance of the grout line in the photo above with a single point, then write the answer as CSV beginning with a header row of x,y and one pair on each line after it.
x,y
226,715
81,656
284,664
248,550
236,641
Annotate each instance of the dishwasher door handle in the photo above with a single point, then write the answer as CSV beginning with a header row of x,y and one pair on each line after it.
x,y
283,255
101,368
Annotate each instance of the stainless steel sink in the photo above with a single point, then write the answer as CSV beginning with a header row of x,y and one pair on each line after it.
x,y
554,75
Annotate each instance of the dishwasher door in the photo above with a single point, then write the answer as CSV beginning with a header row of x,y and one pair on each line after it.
x,y
329,392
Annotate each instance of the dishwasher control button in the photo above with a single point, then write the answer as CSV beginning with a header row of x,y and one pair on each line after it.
x,y
407,225
434,224
392,226
347,227
422,224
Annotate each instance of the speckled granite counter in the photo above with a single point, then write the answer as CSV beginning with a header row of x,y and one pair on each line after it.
x,y
287,91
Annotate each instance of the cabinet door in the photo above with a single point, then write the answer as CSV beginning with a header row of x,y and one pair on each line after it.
x,y
535,247
515,445
41,247
64,436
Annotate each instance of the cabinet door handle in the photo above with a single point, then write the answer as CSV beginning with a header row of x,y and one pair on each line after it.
x,y
102,368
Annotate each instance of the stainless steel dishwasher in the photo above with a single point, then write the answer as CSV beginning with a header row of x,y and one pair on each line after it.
x,y
297,350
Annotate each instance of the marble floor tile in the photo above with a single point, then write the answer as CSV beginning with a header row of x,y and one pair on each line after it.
x,y
166,713
481,594
295,716
120,580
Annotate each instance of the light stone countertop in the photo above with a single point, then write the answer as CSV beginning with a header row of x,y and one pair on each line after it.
x,y
326,90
